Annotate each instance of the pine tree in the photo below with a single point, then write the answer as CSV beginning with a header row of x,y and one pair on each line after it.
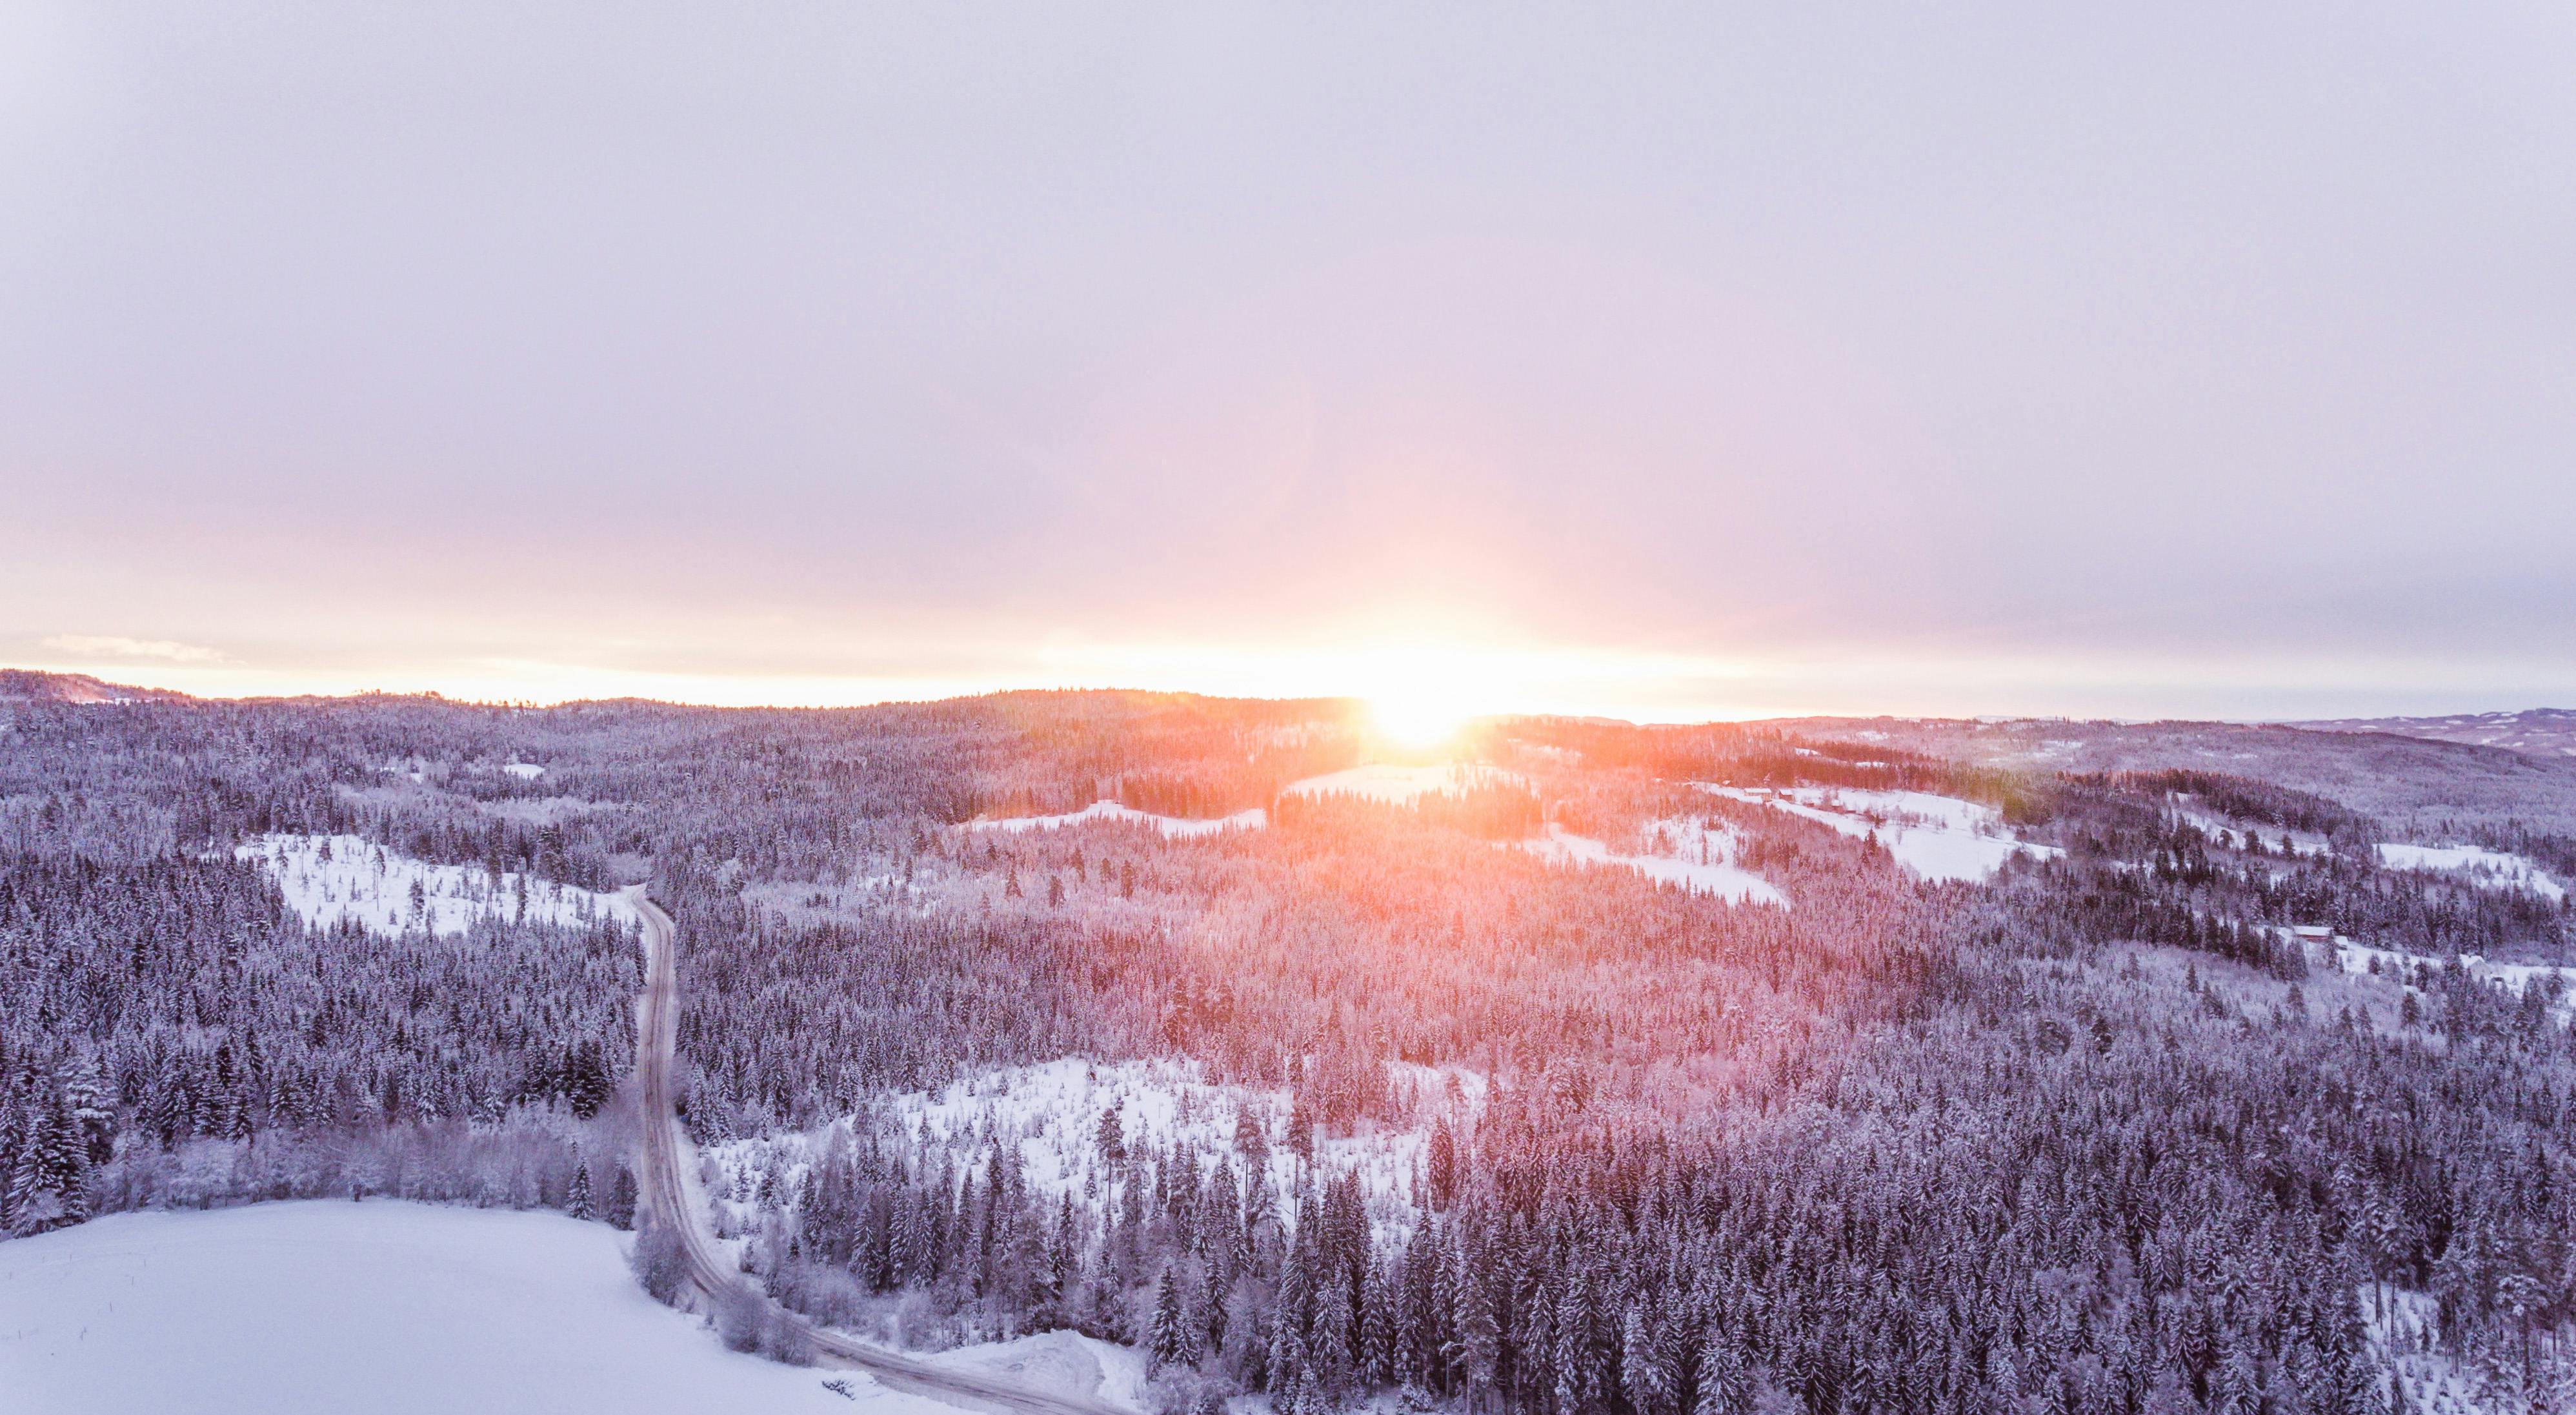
x,y
1175,1340
1725,1388
1330,1352
1252,1140
93,1110
621,1200
1641,1364
1444,1165
50,1162
577,1203
1480,1333
1113,1137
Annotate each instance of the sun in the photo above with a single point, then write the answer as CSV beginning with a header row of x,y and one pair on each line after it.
x,y
1417,716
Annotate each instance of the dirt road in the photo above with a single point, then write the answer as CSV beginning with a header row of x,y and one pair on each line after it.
x,y
666,1200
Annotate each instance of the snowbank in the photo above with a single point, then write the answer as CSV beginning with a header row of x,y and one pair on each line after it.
x,y
388,1308
1398,785
2491,869
1713,870
1253,819
1937,837
332,879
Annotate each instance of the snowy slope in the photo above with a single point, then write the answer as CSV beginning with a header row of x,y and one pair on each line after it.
x,y
1053,1112
329,879
1168,826
2515,978
2491,869
1937,837
326,1308
2399,1327
1396,785
1392,785
1697,858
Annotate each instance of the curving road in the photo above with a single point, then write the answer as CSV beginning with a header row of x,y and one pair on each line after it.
x,y
665,1199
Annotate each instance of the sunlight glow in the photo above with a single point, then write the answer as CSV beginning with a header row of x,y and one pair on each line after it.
x,y
1411,717
1421,682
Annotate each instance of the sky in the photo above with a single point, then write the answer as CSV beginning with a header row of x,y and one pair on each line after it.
x,y
1665,363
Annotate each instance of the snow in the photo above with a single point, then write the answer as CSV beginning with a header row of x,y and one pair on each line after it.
x,y
1701,860
2491,869
1053,1111
2292,842
525,771
332,879
2516,978
1937,837
1061,1363
390,1308
2398,1327
1398,785
1168,826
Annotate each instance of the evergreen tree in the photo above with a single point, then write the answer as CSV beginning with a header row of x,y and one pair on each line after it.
x,y
621,1200
1725,1388
1175,1339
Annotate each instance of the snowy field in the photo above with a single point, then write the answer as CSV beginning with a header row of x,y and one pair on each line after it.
x,y
1693,856
1937,837
1112,811
1400,785
332,879
1391,785
2491,869
2516,978
2292,842
328,1308
1053,1110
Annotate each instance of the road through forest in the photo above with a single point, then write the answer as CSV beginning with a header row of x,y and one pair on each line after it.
x,y
666,1201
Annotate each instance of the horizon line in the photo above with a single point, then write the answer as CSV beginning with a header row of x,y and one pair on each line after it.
x,y
149,692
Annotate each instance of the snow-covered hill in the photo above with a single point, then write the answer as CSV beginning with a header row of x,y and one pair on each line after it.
x,y
1116,813
2488,869
1937,837
1697,857
327,1308
1394,785
2539,732
25,685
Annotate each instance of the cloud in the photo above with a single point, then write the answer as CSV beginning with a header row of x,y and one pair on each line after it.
x,y
118,646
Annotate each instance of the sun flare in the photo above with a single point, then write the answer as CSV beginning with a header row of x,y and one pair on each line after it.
x,y
1417,716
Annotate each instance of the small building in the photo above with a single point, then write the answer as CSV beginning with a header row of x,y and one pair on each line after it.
x,y
2318,942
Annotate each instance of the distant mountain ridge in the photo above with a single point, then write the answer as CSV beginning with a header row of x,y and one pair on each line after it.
x,y
28,685
2539,732
2437,785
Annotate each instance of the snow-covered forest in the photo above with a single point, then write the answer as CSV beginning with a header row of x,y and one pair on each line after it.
x,y
1622,1071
